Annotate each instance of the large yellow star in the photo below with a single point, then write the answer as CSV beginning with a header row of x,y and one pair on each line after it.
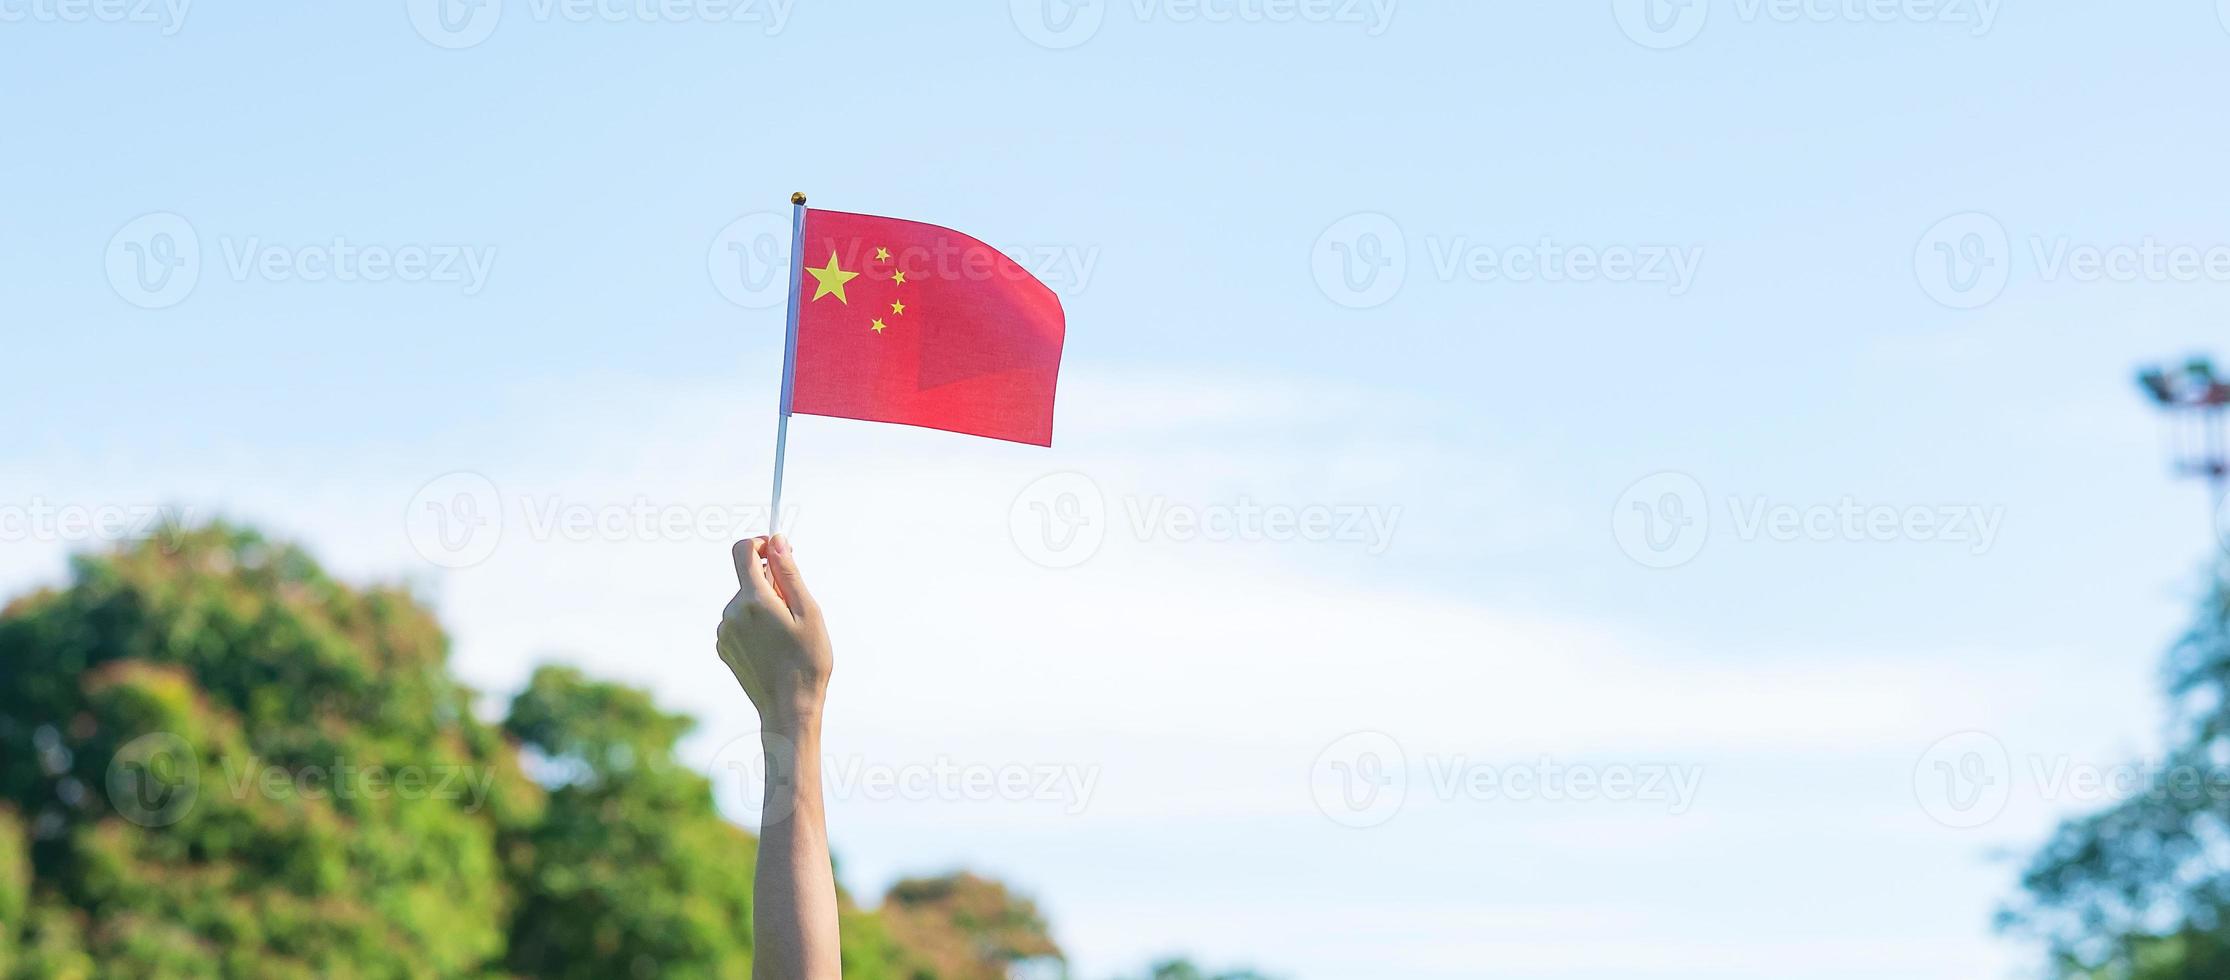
x,y
831,280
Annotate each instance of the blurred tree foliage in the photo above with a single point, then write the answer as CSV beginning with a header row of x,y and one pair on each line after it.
x,y
965,927
216,761
2140,890
1182,969
631,871
229,681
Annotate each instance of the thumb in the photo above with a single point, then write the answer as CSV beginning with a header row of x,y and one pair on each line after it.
x,y
783,562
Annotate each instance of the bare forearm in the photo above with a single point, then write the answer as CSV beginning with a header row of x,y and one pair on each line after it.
x,y
794,906
772,636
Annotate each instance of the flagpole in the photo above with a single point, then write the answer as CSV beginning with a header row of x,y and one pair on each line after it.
x,y
789,355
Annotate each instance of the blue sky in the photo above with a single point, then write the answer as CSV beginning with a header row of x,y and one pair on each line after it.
x,y
1498,400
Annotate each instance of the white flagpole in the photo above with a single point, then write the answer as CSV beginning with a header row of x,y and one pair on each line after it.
x,y
789,355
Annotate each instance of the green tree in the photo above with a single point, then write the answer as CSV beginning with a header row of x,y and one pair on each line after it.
x,y
631,872
964,927
215,761
15,885
193,729
1179,968
2140,890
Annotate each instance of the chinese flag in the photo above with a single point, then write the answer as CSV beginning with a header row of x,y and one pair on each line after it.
x,y
904,322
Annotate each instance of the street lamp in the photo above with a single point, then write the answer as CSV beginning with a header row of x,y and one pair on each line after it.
x,y
2194,399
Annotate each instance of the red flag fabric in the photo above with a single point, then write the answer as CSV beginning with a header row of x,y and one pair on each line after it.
x,y
904,322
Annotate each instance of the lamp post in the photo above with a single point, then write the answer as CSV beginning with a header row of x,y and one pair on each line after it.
x,y
2193,398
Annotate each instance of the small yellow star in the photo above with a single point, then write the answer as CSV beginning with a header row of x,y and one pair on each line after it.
x,y
831,280
897,307
878,327
882,254
898,278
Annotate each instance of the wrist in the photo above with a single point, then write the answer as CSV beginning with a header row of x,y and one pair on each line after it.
x,y
792,714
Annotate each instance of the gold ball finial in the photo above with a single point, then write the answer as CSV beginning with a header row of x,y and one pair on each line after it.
x,y
797,197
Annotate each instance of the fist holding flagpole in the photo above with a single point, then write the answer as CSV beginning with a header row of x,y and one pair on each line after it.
x,y
772,636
